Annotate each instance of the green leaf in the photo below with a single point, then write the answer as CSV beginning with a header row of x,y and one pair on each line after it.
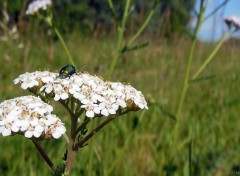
x,y
203,78
127,49
166,112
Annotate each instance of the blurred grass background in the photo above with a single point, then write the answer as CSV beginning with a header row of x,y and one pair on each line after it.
x,y
137,143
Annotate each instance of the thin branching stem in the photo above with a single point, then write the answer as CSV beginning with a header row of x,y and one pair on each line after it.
x,y
224,3
113,10
82,126
210,57
92,133
71,152
186,78
121,29
49,22
66,137
67,108
141,29
43,154
64,46
79,112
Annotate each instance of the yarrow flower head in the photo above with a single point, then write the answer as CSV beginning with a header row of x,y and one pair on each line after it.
x,y
30,116
37,5
35,79
90,93
232,21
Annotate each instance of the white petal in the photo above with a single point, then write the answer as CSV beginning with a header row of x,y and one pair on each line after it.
x,y
122,104
24,86
39,128
90,114
16,81
3,122
114,106
101,99
112,111
6,132
28,134
24,124
14,128
61,129
64,96
56,134
47,122
24,128
102,105
1,129
75,87
85,101
72,91
105,112
36,134
57,97
48,89
97,110
34,121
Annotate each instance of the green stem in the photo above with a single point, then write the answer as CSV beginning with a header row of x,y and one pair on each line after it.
x,y
43,154
92,133
210,57
64,46
66,107
70,150
121,29
113,10
186,78
49,22
111,6
132,39
81,127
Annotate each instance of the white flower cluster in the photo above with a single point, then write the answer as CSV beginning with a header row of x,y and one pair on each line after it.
x,y
97,97
37,5
232,21
30,116
30,80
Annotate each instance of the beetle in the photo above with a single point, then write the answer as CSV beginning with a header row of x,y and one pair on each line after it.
x,y
67,71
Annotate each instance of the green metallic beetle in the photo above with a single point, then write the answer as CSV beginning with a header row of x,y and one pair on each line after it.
x,y
67,71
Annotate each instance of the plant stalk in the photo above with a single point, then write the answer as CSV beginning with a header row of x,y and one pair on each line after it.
x,y
186,79
43,154
70,150
64,46
141,29
49,22
121,29
92,133
210,57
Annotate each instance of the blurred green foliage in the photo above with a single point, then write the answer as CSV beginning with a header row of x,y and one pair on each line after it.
x,y
95,17
137,143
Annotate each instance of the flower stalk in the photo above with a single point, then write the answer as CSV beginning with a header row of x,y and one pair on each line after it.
x,y
48,20
70,150
121,29
186,78
93,132
43,154
211,56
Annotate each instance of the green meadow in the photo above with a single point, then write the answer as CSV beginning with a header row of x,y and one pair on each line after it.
x,y
139,143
